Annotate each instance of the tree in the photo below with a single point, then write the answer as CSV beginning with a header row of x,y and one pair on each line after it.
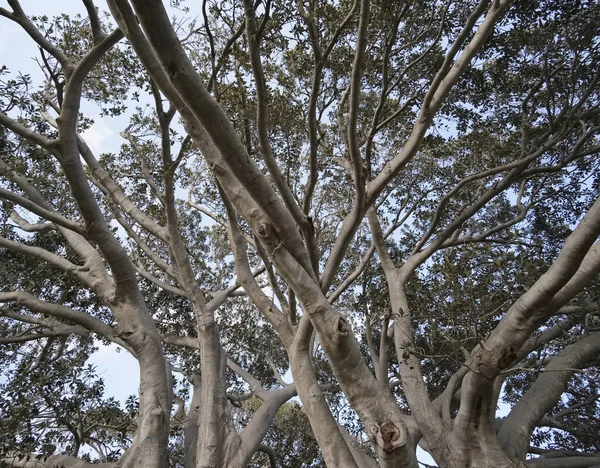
x,y
395,201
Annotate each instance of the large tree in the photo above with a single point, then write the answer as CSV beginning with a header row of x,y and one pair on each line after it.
x,y
394,201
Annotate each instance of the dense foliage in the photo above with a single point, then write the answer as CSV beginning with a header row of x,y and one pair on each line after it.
x,y
424,174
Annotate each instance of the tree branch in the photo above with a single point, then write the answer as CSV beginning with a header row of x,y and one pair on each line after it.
x,y
56,310
52,216
544,394
95,24
19,17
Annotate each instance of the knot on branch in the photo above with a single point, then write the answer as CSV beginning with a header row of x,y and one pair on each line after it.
x,y
338,325
269,238
173,69
491,361
137,339
342,326
388,435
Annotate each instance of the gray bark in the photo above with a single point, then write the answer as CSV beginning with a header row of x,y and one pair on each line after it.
x,y
542,396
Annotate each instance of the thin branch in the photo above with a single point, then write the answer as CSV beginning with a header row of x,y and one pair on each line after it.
x,y
19,16
267,307
353,105
117,195
56,310
27,133
262,117
221,296
63,330
26,226
161,284
52,216
97,33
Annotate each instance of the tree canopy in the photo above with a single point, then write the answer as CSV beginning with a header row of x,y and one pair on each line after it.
x,y
334,231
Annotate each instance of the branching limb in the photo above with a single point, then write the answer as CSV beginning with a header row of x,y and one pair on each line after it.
x,y
59,330
59,311
364,262
353,107
161,284
78,272
221,296
27,133
262,117
443,82
320,58
440,88
151,254
52,216
544,338
571,409
231,151
414,387
117,195
270,453
543,395
254,432
26,226
19,17
283,303
212,82
93,272
53,461
266,305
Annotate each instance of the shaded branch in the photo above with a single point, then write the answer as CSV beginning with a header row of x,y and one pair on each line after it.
x,y
95,24
52,216
56,310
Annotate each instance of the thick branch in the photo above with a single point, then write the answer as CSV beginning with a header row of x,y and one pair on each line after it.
x,y
544,394
97,33
183,77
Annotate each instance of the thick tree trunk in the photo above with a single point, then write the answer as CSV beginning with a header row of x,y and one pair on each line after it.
x,y
150,444
336,452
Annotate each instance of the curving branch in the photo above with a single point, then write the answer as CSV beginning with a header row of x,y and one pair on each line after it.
x,y
353,107
93,272
50,215
27,133
262,117
221,296
544,394
117,195
439,90
19,17
231,150
577,263
82,319
320,58
26,226
24,460
61,330
95,24
245,277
